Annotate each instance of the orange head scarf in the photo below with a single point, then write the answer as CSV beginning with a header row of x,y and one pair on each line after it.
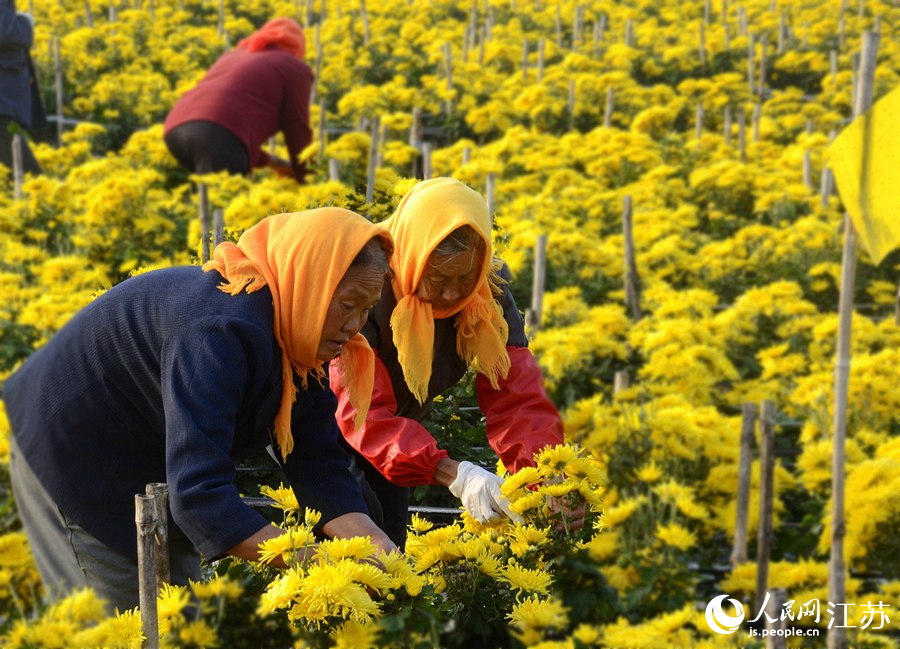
x,y
424,217
283,33
302,258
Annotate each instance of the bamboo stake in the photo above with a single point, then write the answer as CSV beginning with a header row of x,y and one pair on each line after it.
x,y
481,46
807,169
742,521
221,25
629,32
727,44
334,169
18,166
218,227
742,20
88,14
837,637
751,60
782,32
571,104
833,65
897,308
203,209
373,156
160,493
533,315
559,41
724,16
466,155
111,14
766,500
698,125
146,522
315,89
707,11
382,143
631,279
620,381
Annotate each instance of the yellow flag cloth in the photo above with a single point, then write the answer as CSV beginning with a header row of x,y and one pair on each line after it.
x,y
302,257
425,216
864,160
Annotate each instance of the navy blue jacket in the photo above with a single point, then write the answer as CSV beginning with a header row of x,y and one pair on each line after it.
x,y
16,37
165,378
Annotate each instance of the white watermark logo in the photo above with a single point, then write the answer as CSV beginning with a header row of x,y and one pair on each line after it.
x,y
718,620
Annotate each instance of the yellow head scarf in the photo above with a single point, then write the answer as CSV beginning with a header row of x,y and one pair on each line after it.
x,y
428,213
302,258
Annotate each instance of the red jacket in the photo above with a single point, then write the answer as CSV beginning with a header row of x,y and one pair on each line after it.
x,y
253,95
520,417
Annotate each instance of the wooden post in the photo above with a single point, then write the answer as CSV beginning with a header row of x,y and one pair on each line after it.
x,y
842,30
111,14
334,169
540,72
632,281
218,228
382,143
698,126
160,493
629,32
415,140
490,183
525,61
757,116
426,160
742,133
365,21
533,315
833,65
571,104
707,11
58,71
837,637
701,45
741,524
807,169
203,209
826,186
751,61
88,14
764,43
322,134
146,521
18,166
766,498
373,156
610,101
774,609
727,126
466,155
620,381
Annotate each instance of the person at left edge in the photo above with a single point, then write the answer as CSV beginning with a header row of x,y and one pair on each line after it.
x,y
20,100
247,96
174,374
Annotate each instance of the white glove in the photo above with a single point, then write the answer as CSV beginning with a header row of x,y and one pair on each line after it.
x,y
28,16
479,491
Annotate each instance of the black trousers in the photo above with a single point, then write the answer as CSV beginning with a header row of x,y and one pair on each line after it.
x,y
29,162
388,503
204,147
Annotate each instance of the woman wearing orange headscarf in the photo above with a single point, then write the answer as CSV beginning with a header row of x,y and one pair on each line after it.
x,y
252,92
447,309
171,376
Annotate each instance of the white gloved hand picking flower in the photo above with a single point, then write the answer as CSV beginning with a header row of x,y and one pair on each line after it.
x,y
479,491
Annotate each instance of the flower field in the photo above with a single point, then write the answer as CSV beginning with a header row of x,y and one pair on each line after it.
x,y
714,118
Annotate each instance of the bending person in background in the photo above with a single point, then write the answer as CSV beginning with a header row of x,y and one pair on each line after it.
x,y
249,94
172,376
446,309
20,99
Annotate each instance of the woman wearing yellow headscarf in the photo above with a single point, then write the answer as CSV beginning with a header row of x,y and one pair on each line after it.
x,y
447,309
172,375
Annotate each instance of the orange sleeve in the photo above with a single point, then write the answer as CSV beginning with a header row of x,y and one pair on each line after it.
x,y
521,419
400,448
